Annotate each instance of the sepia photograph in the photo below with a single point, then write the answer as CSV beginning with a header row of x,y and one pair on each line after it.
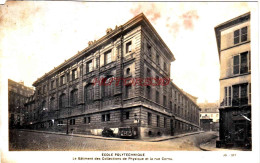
x,y
129,81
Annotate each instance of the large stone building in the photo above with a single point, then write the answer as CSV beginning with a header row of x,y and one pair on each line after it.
x,y
17,96
233,42
69,97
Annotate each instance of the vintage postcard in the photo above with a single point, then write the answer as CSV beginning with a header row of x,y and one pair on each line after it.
x,y
85,81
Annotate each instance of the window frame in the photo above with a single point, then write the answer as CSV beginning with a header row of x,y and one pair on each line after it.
x,y
74,74
240,65
127,49
89,66
106,54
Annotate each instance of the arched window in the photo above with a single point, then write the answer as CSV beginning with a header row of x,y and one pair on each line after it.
x,y
128,71
62,103
74,97
52,104
89,93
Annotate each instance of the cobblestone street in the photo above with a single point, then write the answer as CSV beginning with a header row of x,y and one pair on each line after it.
x,y
33,141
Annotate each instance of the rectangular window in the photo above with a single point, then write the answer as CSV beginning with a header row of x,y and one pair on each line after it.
x,y
240,35
170,106
85,120
89,67
108,57
44,89
148,92
72,121
62,80
148,73
149,118
157,59
236,36
158,121
89,119
244,63
241,63
149,50
52,84
164,122
157,97
240,94
105,117
74,74
127,115
127,91
129,47
227,100
244,34
164,100
236,64
164,66
108,117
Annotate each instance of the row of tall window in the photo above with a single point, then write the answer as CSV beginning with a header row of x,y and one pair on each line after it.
x,y
157,60
242,63
237,95
149,120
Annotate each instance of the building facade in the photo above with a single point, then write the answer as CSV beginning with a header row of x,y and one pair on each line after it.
x,y
90,90
17,96
209,116
233,41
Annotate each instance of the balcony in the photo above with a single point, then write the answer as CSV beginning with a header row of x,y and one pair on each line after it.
x,y
240,101
235,102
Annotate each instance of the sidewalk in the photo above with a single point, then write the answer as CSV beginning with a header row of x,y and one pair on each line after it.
x,y
152,139
211,146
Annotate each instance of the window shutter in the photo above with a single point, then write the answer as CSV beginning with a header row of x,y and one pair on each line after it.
x,y
249,93
236,64
249,61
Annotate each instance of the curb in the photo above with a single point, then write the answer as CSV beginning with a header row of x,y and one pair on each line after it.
x,y
78,135
115,139
174,137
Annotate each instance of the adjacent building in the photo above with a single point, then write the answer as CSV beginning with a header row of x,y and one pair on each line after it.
x,y
91,90
233,42
209,116
17,96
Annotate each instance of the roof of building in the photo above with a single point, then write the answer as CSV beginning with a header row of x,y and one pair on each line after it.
x,y
209,107
237,20
189,96
139,19
21,83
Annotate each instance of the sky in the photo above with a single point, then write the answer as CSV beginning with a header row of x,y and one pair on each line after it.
x,y
35,37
